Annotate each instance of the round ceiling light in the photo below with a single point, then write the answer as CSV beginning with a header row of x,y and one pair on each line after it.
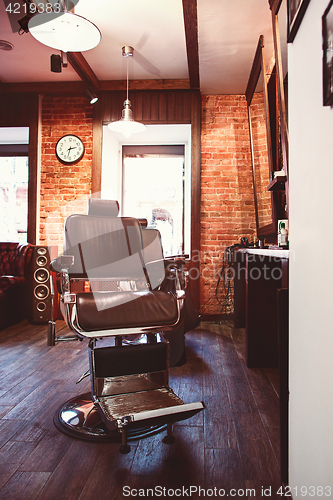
x,y
64,31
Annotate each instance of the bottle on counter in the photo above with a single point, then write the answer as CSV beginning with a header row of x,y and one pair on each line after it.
x,y
283,235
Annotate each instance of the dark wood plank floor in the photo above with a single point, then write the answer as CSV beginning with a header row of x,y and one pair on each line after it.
x,y
233,445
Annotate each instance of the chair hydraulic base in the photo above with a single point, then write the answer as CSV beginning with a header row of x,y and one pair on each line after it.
x,y
79,418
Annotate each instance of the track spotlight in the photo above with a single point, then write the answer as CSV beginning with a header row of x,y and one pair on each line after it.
x,y
91,96
56,66
58,62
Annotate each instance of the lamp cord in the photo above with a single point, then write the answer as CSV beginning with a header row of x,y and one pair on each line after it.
x,y
127,76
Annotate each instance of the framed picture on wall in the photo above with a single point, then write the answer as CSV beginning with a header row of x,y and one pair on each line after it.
x,y
327,22
296,11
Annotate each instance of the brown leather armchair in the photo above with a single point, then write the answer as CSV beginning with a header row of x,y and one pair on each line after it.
x,y
129,381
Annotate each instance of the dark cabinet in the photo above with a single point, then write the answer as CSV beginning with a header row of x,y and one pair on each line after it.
x,y
261,307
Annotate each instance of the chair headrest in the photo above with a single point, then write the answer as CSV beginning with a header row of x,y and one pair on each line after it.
x,y
109,208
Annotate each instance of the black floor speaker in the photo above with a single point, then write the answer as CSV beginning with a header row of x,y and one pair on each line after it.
x,y
38,292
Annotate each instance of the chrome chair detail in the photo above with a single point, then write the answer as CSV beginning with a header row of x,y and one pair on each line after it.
x,y
130,394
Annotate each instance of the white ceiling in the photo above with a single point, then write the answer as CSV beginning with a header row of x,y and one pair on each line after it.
x,y
228,33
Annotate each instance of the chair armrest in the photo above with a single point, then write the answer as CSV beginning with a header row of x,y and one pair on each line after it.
x,y
155,262
62,262
174,270
60,265
175,262
181,258
180,255
167,275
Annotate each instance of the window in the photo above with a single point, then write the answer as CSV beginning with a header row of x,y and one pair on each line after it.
x,y
168,141
153,188
14,173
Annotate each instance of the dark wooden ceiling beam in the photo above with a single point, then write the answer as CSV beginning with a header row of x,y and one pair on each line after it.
x,y
72,87
160,84
255,71
82,68
191,34
78,87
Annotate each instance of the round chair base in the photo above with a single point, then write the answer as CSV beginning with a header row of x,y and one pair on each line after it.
x,y
79,418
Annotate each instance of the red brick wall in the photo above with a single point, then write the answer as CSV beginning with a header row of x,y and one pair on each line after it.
x,y
227,204
62,185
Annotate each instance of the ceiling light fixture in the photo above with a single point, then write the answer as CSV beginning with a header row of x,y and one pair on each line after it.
x,y
64,31
127,125
91,96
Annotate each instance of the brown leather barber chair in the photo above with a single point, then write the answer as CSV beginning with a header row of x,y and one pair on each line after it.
x,y
130,396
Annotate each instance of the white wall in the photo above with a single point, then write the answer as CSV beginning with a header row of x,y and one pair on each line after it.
x,y
14,135
111,166
311,271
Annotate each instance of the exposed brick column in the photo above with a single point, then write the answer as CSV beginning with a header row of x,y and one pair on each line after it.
x,y
227,203
62,185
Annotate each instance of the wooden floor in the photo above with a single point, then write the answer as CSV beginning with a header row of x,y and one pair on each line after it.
x,y
233,445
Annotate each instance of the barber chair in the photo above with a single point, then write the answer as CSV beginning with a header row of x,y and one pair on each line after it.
x,y
130,396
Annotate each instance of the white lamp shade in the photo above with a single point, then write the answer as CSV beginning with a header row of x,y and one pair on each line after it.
x,y
127,127
64,31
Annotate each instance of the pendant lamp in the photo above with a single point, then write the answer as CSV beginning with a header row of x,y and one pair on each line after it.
x,y
127,125
64,31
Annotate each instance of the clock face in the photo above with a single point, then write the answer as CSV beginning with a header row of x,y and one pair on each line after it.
x,y
69,149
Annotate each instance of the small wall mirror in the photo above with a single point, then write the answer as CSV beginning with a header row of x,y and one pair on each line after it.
x,y
279,24
261,146
282,26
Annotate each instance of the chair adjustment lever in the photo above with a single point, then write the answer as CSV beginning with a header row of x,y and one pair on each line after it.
x,y
67,338
52,338
83,376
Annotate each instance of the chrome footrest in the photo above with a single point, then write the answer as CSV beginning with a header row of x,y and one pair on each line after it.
x,y
132,409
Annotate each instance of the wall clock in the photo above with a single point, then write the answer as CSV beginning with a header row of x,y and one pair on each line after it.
x,y
69,149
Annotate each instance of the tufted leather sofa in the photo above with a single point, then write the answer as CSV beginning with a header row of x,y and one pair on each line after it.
x,y
14,264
